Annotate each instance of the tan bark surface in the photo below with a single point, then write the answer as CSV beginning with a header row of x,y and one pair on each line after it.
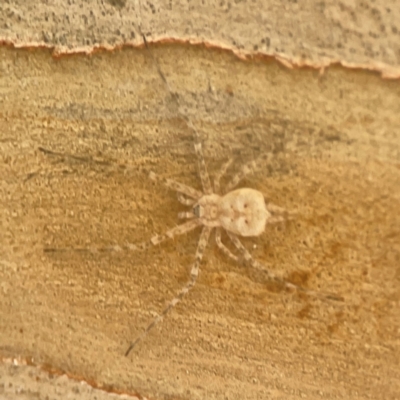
x,y
350,32
335,160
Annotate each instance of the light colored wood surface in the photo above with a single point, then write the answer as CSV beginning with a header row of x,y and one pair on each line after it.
x,y
336,147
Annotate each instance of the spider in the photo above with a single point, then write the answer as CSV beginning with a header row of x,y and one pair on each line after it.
x,y
240,212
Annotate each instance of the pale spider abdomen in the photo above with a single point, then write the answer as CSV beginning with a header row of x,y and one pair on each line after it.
x,y
243,212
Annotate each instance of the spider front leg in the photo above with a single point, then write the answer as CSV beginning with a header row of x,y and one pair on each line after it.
x,y
219,175
198,149
245,170
194,272
205,179
257,265
185,201
177,186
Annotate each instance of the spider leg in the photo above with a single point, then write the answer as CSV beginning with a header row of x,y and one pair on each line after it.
x,y
204,177
185,201
275,219
276,209
219,175
222,247
154,241
205,234
245,170
185,215
279,214
179,187
257,265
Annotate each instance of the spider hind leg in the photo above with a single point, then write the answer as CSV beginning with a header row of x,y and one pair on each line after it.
x,y
194,272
